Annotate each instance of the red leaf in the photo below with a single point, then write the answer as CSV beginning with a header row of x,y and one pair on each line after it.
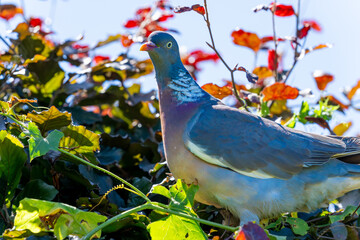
x,y
142,13
313,24
281,10
164,17
252,231
322,79
126,41
270,38
98,59
8,11
303,32
319,121
279,91
273,60
35,22
246,39
217,91
131,24
198,56
198,8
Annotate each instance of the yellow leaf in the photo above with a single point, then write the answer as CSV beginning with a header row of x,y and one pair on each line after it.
x,y
342,128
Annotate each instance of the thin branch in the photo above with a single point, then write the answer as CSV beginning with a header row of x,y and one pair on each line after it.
x,y
212,46
275,41
296,53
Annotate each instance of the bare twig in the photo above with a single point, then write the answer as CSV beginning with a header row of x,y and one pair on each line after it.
x,y
275,42
212,46
296,54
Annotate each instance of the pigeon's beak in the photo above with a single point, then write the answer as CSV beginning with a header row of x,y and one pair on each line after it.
x,y
148,46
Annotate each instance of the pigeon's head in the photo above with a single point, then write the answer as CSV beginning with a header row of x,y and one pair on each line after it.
x,y
163,50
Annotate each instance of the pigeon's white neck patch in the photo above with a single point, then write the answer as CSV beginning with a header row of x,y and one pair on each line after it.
x,y
185,88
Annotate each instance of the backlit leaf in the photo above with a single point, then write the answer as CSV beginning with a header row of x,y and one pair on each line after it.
x,y
38,145
282,10
12,159
322,79
317,47
217,91
280,91
313,24
246,39
8,11
50,119
341,128
110,39
198,8
335,101
80,141
262,72
273,60
39,216
352,92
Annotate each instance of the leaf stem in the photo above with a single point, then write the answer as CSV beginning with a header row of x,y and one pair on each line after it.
x,y
158,207
107,172
141,194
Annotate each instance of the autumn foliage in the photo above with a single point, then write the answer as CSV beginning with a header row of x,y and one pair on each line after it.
x,y
81,134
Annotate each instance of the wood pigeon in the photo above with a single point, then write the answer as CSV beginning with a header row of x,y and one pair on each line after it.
x,y
249,165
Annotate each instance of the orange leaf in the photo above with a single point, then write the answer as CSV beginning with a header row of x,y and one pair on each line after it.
x,y
313,24
262,72
322,79
246,39
352,92
198,8
280,91
8,11
334,100
14,100
341,128
317,47
217,91
126,41
238,87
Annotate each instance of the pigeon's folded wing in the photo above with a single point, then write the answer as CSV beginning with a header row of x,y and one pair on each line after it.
x,y
255,146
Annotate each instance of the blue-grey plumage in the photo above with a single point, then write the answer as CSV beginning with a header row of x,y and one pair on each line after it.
x,y
252,166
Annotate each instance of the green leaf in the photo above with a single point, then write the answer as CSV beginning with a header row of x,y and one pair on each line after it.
x,y
158,189
80,141
50,119
265,111
182,197
39,216
298,225
12,159
304,112
39,146
110,39
175,227
339,217
37,189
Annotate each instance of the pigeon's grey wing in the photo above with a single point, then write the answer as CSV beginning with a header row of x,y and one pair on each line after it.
x,y
255,146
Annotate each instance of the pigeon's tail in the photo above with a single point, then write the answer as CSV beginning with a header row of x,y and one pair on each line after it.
x,y
352,152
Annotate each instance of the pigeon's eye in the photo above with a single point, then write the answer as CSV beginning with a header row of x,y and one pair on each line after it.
x,y
169,44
